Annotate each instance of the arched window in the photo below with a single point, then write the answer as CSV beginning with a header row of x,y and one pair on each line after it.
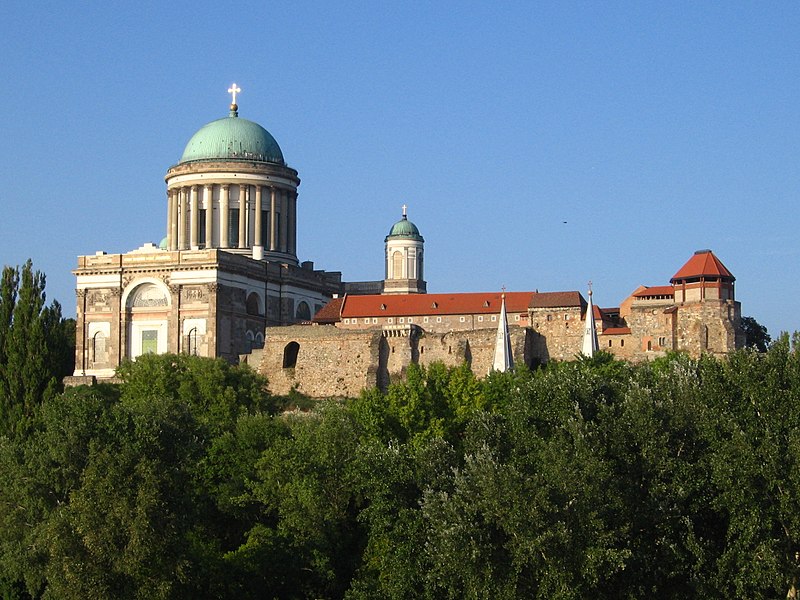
x,y
147,295
99,347
191,342
290,355
253,304
397,265
259,341
303,312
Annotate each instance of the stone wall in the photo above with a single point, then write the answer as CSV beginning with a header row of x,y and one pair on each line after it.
x,y
557,333
710,327
329,362
334,362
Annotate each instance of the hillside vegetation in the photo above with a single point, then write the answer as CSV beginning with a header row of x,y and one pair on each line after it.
x,y
587,479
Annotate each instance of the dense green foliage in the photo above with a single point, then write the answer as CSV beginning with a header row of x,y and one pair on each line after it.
x,y
755,334
37,346
594,478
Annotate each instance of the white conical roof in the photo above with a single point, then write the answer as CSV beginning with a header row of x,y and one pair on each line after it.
x,y
590,344
503,359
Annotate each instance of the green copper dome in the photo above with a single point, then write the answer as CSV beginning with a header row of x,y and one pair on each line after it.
x,y
233,138
404,229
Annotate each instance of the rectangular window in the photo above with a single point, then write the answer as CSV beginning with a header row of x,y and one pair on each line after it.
x,y
494,318
480,318
461,319
374,320
265,228
150,341
424,319
401,320
438,319
233,227
366,321
390,320
202,223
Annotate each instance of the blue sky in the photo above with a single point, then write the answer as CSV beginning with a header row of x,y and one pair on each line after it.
x,y
653,129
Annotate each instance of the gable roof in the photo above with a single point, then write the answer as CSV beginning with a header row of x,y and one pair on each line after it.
x,y
655,290
557,300
330,313
703,263
400,305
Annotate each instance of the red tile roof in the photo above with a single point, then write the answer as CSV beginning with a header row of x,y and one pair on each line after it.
x,y
702,264
556,299
617,331
399,305
330,313
655,290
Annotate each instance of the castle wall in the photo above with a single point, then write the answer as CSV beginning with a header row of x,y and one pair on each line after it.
x,y
558,333
329,362
710,327
332,362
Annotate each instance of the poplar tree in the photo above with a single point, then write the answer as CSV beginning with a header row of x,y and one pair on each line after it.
x,y
35,345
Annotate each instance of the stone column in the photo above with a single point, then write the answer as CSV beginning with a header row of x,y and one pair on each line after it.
x,y
208,193
116,325
169,219
243,208
80,333
292,218
273,227
223,216
258,247
182,199
174,332
194,232
173,221
284,245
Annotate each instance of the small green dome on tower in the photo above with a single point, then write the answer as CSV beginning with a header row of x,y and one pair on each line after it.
x,y
233,138
404,229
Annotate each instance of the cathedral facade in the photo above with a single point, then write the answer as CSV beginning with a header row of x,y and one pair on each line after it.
x,y
226,270
226,282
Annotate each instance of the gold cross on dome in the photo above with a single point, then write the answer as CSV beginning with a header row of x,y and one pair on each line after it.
x,y
233,90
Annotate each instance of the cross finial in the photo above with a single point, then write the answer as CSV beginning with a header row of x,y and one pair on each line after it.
x,y
405,208
503,295
233,90
590,287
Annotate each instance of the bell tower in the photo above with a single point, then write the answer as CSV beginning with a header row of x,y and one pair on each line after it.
x,y
404,259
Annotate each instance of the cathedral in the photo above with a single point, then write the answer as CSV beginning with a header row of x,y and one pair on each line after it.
x,y
226,282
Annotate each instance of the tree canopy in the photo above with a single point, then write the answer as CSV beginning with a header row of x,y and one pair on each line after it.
x,y
37,346
593,478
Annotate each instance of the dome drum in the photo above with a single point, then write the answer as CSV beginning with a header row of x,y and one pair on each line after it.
x,y
232,190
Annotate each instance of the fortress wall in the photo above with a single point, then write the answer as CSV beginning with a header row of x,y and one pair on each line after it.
x,y
559,333
330,362
708,327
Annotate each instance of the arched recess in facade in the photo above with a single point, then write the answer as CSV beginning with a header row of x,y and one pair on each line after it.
x,y
290,352
254,304
147,305
303,311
